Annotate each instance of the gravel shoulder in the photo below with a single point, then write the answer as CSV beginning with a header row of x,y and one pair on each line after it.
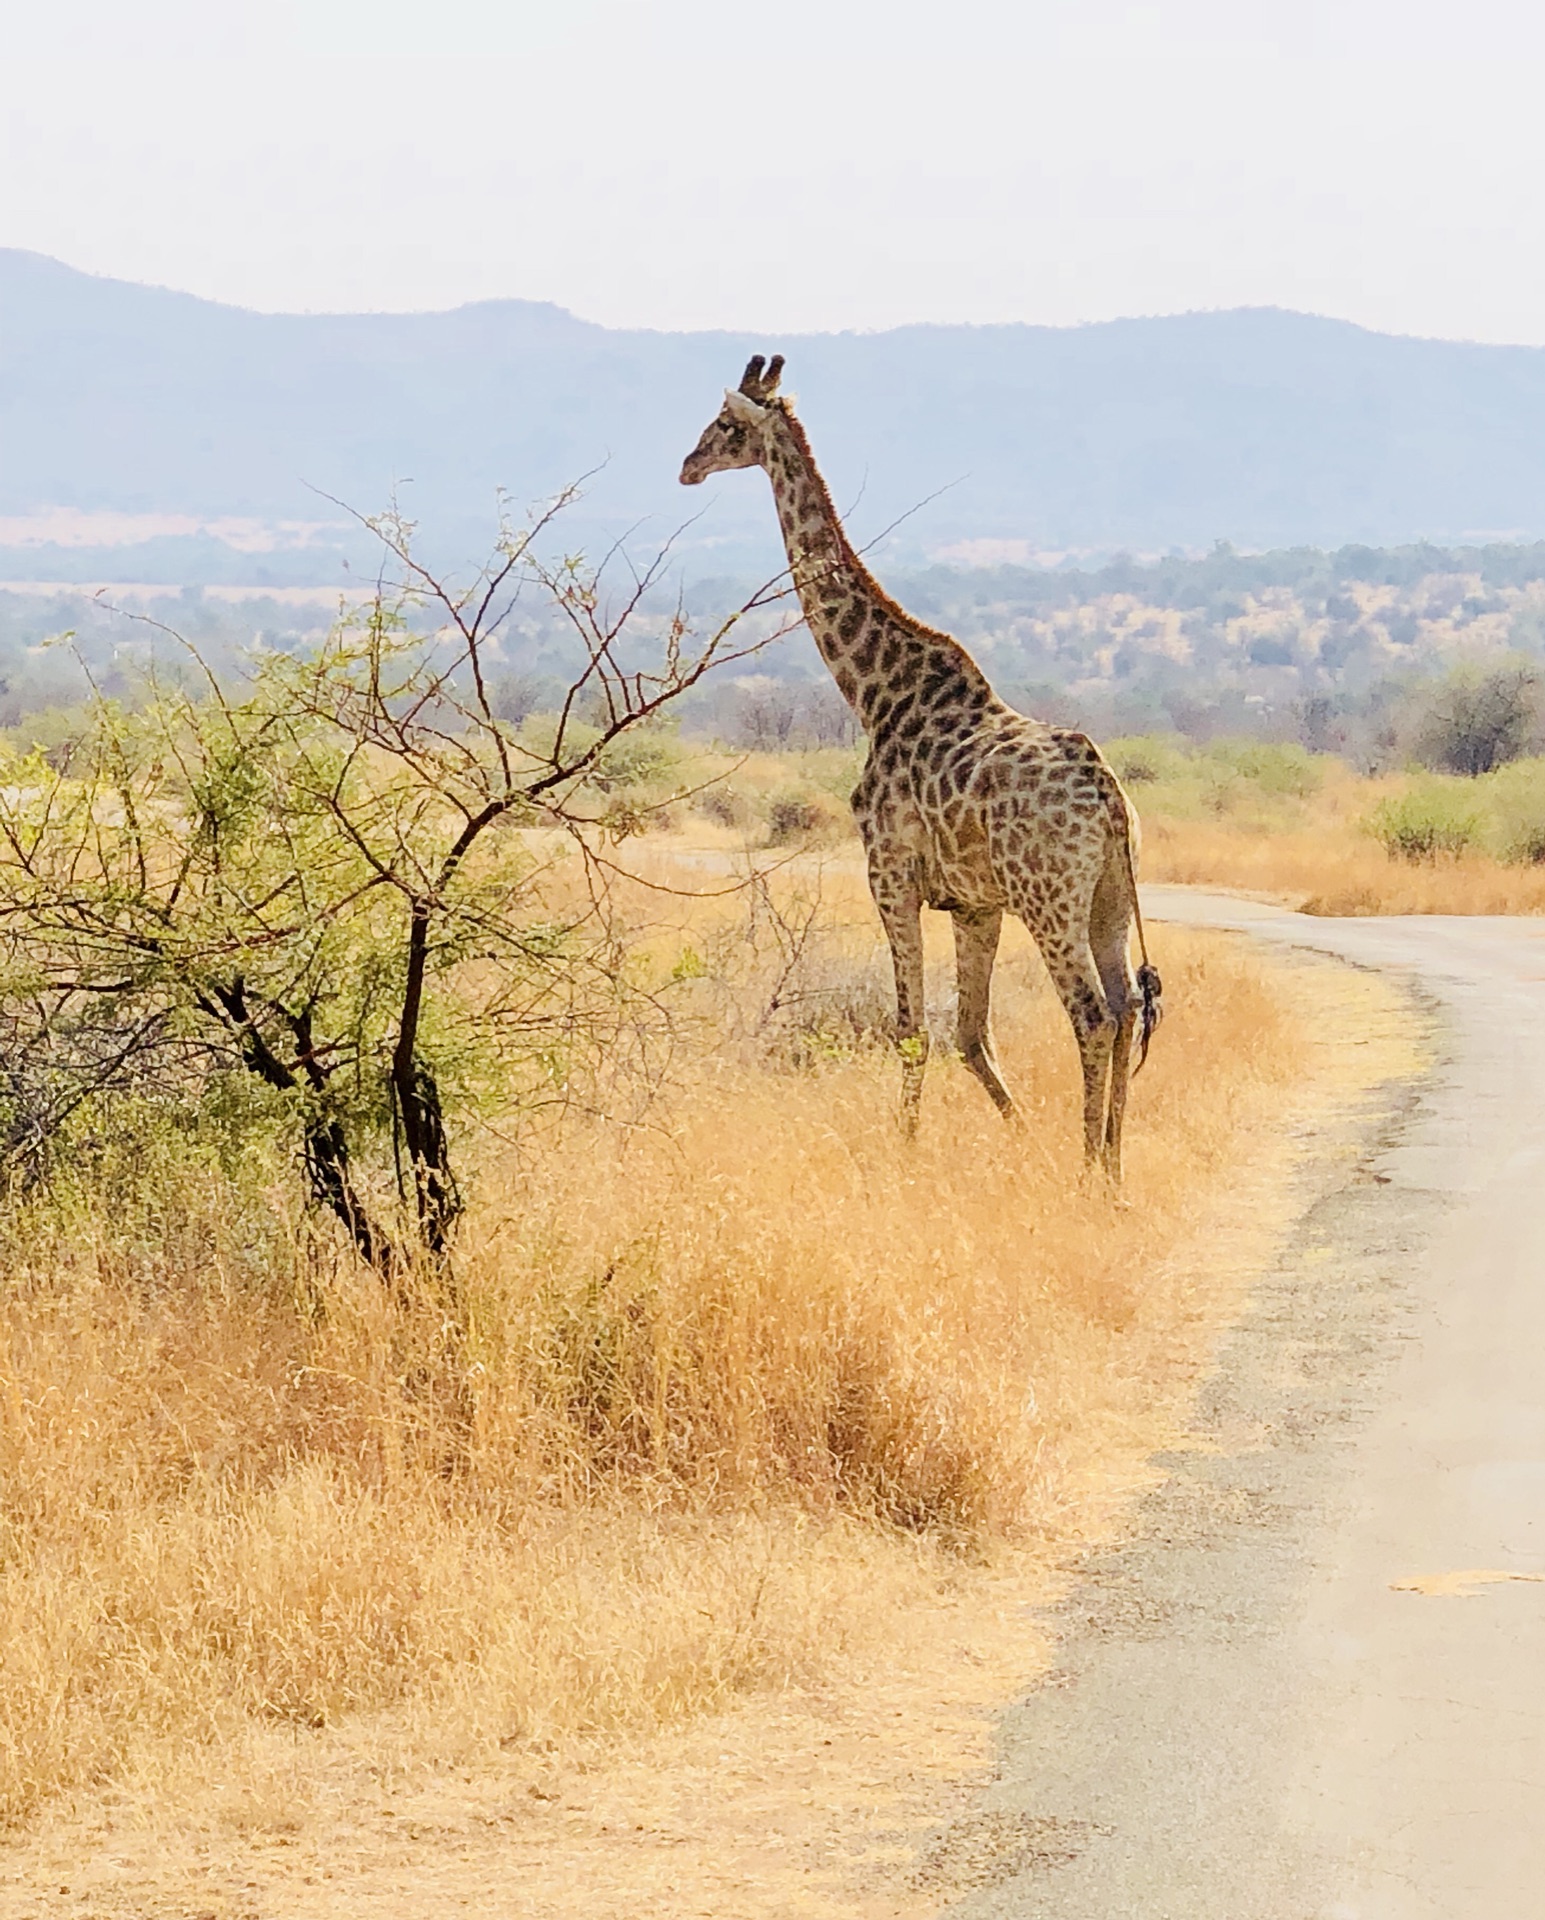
x,y
1306,1686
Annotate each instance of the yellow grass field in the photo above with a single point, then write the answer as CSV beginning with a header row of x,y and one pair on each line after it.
x,y
1309,832
675,1570
1333,869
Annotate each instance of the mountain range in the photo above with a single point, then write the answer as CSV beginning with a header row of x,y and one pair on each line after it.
x,y
1258,427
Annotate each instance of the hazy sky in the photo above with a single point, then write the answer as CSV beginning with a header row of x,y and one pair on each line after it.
x,y
818,164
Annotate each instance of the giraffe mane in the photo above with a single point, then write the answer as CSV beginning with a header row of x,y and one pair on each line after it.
x,y
850,554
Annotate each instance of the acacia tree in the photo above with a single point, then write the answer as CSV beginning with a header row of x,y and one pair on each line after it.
x,y
331,868
1475,721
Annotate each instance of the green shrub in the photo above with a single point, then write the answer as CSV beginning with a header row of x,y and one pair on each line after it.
x,y
1144,758
1424,823
647,756
1217,778
1514,797
1281,768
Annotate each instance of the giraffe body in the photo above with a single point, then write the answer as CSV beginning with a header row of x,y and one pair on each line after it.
x,y
964,804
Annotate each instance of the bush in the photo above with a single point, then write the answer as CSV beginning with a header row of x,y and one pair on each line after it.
x,y
1526,848
1276,767
1515,801
776,716
1220,774
802,813
835,1008
1145,758
648,756
1423,823
317,876
1473,722
725,805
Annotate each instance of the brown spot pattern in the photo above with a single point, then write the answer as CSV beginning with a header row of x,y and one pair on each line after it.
x,y
963,803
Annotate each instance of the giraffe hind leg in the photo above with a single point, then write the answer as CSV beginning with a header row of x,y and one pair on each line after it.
x,y
976,948
1110,932
1064,945
1120,1081
1095,1030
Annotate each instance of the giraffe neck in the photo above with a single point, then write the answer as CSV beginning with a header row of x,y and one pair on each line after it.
x,y
872,646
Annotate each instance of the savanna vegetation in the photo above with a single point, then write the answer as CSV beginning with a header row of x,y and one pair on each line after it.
x,y
1353,732
1456,825
1323,647
1299,641
1454,822
465,1291
1402,843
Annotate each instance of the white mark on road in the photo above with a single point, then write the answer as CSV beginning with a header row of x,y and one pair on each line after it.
x,y
1460,1585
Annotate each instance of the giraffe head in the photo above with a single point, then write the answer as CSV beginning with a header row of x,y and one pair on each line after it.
x,y
737,434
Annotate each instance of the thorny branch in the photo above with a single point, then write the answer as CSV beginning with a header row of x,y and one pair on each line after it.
x,y
307,862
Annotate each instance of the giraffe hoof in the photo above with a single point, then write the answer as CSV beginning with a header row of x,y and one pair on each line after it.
x,y
1104,1180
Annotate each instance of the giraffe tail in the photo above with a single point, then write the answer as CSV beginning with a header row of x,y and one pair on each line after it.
x,y
1150,990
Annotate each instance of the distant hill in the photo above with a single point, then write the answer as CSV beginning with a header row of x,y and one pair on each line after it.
x,y
1259,427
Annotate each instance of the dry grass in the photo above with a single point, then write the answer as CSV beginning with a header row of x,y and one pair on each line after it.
x,y
731,1404
1299,829
1332,868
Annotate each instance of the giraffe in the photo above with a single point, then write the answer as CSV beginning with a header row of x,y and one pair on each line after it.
x,y
963,805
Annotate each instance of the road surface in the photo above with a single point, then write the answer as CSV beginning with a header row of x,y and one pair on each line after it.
x,y
1255,1715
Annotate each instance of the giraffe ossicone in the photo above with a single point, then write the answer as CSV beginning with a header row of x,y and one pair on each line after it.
x,y
963,804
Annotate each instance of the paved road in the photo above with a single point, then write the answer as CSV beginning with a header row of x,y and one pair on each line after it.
x,y
1250,1719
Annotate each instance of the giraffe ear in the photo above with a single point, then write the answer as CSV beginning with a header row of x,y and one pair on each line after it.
x,y
742,407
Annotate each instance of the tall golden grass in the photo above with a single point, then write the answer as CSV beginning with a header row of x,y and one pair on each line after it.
x,y
1332,868
719,1387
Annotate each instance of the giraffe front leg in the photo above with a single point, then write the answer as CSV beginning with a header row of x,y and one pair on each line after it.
x,y
976,948
901,917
